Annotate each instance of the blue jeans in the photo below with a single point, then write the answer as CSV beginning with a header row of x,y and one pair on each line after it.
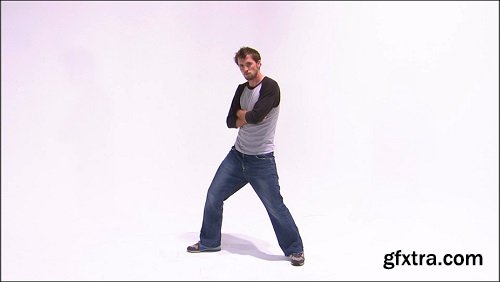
x,y
235,171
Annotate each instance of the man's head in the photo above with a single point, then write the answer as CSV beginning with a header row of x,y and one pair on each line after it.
x,y
248,60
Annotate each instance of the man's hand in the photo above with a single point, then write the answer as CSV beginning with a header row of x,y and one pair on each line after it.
x,y
240,123
241,115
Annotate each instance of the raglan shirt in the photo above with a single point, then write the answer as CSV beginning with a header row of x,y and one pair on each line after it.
x,y
262,105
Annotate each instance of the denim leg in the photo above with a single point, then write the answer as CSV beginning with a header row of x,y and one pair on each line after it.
x,y
263,177
228,179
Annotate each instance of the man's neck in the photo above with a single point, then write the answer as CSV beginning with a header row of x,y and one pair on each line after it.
x,y
254,82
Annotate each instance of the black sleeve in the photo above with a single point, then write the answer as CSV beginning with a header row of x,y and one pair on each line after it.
x,y
235,106
269,98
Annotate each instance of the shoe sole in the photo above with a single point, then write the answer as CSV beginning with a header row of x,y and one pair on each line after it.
x,y
204,251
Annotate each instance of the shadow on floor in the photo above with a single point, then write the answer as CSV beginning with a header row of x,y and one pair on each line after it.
x,y
237,245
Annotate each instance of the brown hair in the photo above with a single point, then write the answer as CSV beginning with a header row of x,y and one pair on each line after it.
x,y
244,51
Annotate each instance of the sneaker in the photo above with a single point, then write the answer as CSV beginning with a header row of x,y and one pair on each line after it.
x,y
297,259
199,248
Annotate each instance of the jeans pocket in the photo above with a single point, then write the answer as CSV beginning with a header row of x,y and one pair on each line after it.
x,y
268,156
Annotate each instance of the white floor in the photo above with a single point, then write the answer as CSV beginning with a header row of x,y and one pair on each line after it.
x,y
142,234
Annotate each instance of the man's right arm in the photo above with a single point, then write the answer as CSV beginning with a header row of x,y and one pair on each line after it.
x,y
232,120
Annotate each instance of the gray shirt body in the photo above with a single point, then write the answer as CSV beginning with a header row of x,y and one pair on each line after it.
x,y
262,105
256,139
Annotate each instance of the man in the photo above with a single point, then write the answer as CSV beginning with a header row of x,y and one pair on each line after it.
x,y
254,111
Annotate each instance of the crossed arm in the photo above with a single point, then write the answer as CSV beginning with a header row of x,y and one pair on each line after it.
x,y
269,97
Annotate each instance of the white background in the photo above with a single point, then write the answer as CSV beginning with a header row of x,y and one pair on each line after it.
x,y
113,124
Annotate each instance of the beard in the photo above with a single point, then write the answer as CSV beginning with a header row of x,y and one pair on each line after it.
x,y
251,75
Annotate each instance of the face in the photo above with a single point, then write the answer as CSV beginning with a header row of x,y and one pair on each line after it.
x,y
248,67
